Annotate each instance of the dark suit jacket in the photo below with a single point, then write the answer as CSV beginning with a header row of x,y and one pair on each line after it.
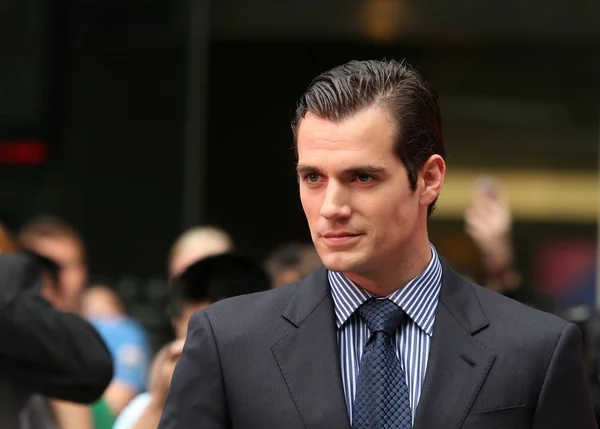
x,y
271,360
43,350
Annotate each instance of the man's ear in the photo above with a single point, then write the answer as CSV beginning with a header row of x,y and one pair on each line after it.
x,y
431,178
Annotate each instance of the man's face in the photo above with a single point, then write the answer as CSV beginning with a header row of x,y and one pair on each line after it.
x,y
355,192
67,253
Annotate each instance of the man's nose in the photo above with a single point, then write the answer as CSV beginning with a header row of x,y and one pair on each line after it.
x,y
336,204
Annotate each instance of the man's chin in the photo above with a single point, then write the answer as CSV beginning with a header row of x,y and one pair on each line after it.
x,y
340,263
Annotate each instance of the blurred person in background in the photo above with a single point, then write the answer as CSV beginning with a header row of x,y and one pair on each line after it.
x,y
57,240
197,243
290,262
44,351
41,412
210,280
488,221
203,283
129,347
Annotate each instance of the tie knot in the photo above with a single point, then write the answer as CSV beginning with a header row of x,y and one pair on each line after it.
x,y
382,315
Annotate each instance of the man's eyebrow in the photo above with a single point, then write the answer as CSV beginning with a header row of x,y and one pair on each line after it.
x,y
352,170
363,169
303,168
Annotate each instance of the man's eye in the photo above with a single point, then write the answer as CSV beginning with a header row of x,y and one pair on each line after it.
x,y
312,177
363,178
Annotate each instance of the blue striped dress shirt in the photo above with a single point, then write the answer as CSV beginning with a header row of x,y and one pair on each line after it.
x,y
419,299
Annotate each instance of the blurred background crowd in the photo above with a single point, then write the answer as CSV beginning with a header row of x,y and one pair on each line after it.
x,y
146,161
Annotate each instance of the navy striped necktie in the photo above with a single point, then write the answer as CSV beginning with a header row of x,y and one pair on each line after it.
x,y
382,399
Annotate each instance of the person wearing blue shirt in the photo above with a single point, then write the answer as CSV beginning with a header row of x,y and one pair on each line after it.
x,y
129,346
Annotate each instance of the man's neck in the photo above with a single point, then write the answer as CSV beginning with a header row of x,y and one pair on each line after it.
x,y
395,274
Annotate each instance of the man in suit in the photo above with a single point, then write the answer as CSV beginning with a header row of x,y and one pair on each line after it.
x,y
386,334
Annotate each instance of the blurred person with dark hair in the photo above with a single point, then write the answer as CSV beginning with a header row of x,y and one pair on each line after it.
x,y
44,351
197,243
386,334
210,280
291,262
193,245
129,347
55,239
203,283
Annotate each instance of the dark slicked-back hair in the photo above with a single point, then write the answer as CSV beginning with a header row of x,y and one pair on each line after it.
x,y
347,89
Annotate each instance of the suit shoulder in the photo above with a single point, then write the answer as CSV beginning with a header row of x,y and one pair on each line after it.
x,y
259,305
507,311
247,322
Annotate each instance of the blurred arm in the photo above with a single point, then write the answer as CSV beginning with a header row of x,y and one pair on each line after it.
x,y
164,367
54,353
72,416
150,418
488,221
196,397
118,395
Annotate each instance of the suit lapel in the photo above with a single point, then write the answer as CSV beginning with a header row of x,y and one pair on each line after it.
x,y
309,357
458,363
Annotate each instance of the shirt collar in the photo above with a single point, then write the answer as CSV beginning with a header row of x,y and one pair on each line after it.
x,y
418,298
